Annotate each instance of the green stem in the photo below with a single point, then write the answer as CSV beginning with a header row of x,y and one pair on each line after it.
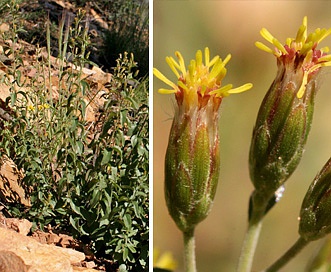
x,y
249,246
288,255
258,207
189,249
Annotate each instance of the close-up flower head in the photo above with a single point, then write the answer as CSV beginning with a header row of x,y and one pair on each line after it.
x,y
201,81
301,51
192,160
285,116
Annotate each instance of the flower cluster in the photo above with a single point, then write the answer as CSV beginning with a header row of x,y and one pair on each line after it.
x,y
40,107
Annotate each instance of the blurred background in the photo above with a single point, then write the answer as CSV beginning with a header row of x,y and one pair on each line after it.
x,y
233,27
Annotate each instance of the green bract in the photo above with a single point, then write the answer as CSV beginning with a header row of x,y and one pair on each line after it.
x,y
192,167
281,130
315,216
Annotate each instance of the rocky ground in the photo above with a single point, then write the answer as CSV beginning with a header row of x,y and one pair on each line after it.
x,y
40,252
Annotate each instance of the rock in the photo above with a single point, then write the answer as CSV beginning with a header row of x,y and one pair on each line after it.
x,y
84,269
90,264
61,240
4,89
4,27
21,226
10,177
39,257
10,262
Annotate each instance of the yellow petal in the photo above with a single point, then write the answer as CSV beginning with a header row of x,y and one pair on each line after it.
x,y
241,89
263,47
160,76
181,63
266,35
207,56
198,57
171,62
221,92
302,34
213,61
166,91
279,46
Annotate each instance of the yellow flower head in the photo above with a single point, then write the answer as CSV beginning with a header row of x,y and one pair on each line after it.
x,y
164,260
200,82
300,51
43,106
31,108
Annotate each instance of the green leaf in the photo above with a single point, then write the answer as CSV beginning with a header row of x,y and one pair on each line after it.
x,y
106,156
134,140
123,117
131,248
13,96
74,223
127,221
79,147
75,208
125,253
18,78
118,150
108,124
84,86
88,215
136,209
95,198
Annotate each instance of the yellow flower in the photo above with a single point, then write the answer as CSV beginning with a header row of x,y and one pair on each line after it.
x,y
31,108
300,51
164,261
200,82
43,106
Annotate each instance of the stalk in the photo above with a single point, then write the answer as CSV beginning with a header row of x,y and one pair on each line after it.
x,y
189,251
288,255
249,247
258,210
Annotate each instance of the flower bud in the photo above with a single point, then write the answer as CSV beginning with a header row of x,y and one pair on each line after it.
x,y
192,163
286,113
192,166
315,216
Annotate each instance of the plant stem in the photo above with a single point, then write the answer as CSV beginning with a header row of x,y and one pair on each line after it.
x,y
258,206
249,246
189,251
288,255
